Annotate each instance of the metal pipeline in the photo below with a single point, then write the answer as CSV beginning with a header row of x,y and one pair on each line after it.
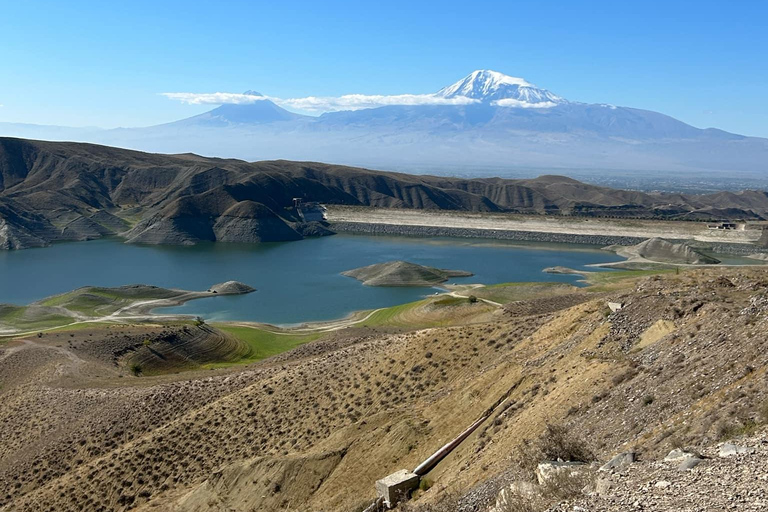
x,y
426,466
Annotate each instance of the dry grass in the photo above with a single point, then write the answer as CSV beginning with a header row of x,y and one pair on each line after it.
x,y
77,436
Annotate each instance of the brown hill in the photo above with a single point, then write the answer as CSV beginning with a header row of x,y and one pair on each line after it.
x,y
67,191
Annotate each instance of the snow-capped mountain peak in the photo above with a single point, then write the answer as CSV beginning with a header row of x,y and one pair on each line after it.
x,y
503,90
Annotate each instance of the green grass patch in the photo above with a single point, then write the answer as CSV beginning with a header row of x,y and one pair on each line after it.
x,y
450,301
604,281
388,316
261,343
509,292
96,301
27,319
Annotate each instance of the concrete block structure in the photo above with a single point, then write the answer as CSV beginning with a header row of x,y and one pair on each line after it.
x,y
397,487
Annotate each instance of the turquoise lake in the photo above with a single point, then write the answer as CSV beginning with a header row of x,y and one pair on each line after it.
x,y
295,281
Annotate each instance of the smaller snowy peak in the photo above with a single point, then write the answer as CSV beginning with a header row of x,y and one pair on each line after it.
x,y
500,89
252,93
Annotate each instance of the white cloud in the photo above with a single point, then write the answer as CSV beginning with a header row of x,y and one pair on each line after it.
x,y
511,102
213,98
361,101
318,103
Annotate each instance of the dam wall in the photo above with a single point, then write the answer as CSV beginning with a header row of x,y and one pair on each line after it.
x,y
372,228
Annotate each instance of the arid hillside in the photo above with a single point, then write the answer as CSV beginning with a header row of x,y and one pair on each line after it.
x,y
52,191
682,364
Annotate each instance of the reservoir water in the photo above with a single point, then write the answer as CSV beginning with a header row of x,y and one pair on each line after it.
x,y
295,281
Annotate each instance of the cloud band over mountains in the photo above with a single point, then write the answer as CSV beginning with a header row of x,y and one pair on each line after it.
x,y
321,104
318,103
480,86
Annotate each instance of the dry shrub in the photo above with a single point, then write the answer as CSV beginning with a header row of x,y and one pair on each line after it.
x,y
556,443
561,486
449,502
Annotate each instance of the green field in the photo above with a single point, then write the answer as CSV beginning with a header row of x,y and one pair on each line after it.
x,y
432,312
388,316
606,281
25,318
96,301
261,343
509,292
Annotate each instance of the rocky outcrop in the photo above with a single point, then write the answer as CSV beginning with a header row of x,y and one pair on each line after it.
x,y
403,273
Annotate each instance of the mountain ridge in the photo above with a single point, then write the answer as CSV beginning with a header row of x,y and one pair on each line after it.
x,y
505,123
52,191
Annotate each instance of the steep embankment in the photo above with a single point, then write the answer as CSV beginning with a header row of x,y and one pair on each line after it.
x,y
53,191
403,273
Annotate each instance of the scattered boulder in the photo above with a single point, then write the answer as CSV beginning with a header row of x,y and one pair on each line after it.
x,y
619,461
546,471
729,450
689,463
678,454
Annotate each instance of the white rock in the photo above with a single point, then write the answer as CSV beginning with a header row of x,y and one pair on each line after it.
x,y
547,470
677,454
729,450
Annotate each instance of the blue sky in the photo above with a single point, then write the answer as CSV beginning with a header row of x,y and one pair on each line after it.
x,y
99,63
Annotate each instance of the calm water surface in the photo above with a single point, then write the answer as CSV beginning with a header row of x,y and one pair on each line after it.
x,y
296,281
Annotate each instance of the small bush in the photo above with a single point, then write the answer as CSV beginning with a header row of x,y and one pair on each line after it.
x,y
557,442
199,321
135,369
472,299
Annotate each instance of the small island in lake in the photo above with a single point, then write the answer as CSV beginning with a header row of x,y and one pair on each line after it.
x,y
403,273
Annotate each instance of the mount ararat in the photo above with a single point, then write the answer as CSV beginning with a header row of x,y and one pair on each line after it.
x,y
485,120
